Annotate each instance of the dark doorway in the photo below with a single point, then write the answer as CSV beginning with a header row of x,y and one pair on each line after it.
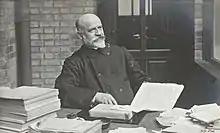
x,y
162,42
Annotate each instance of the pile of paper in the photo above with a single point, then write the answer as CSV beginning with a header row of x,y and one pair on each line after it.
x,y
129,130
22,106
200,118
64,125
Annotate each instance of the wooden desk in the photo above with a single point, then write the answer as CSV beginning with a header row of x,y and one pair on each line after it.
x,y
148,121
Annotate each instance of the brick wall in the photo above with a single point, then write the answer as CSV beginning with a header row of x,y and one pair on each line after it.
x,y
52,31
8,67
198,29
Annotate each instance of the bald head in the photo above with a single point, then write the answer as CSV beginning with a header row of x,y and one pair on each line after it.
x,y
85,20
90,30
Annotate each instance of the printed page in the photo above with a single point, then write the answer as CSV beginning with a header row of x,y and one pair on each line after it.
x,y
156,96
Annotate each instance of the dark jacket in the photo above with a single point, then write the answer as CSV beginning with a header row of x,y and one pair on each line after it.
x,y
110,70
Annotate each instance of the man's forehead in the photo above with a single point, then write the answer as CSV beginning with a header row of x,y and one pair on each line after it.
x,y
87,21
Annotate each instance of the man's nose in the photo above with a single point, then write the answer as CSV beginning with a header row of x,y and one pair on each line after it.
x,y
98,32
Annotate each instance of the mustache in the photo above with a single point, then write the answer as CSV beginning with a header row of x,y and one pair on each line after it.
x,y
100,37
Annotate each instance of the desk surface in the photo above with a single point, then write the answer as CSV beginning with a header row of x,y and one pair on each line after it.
x,y
148,120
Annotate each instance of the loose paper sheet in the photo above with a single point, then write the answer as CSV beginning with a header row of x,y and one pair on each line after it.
x,y
156,96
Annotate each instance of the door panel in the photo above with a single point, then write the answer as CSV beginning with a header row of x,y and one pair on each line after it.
x,y
128,32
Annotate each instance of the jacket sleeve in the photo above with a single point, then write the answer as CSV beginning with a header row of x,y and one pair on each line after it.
x,y
135,74
71,94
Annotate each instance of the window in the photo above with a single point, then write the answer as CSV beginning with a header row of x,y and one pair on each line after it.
x,y
216,30
211,37
211,31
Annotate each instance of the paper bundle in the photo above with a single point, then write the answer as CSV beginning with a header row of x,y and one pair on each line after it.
x,y
63,125
129,130
199,119
150,97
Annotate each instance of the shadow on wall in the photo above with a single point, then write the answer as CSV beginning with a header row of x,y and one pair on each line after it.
x,y
200,88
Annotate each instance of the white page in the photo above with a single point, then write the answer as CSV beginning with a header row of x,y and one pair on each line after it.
x,y
156,96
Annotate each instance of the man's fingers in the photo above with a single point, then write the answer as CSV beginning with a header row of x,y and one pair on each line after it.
x,y
113,101
105,98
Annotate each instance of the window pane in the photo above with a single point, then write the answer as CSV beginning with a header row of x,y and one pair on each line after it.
x,y
217,29
124,7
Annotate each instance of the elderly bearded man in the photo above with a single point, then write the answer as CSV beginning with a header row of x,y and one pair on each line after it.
x,y
98,72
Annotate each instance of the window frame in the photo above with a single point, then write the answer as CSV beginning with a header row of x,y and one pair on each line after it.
x,y
208,33
208,62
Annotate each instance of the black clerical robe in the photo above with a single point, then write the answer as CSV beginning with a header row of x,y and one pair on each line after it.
x,y
111,70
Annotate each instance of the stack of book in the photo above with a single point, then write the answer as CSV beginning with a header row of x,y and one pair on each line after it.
x,y
22,106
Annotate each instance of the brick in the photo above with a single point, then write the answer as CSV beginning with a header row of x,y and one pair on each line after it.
x,y
49,43
37,82
49,10
63,42
12,55
198,1
63,49
35,4
34,24
37,68
91,3
66,29
48,55
64,36
58,3
66,17
37,56
3,35
36,30
50,81
3,73
68,23
35,49
2,12
9,49
53,68
50,74
75,3
35,63
37,43
77,10
35,75
49,36
34,10
48,17
61,55
50,49
50,62
47,24
89,10
38,17
35,36
2,51
65,10
48,3
48,30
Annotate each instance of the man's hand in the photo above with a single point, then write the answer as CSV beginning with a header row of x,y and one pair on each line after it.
x,y
104,98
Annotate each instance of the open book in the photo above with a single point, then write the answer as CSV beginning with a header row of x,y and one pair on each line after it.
x,y
150,97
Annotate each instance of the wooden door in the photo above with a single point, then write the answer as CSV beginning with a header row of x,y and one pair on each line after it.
x,y
162,43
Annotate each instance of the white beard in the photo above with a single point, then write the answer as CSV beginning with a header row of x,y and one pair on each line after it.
x,y
100,43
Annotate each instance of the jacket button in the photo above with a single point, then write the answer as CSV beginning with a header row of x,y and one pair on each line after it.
x,y
99,74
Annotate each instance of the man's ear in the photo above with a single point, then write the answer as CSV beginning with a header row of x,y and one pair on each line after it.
x,y
79,34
